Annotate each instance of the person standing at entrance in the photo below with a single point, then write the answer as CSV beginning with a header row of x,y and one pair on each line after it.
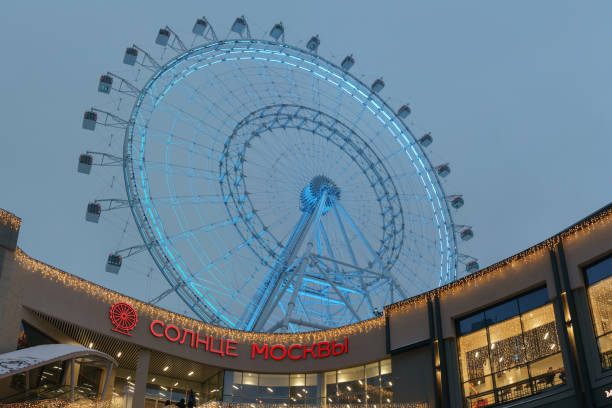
x,y
191,399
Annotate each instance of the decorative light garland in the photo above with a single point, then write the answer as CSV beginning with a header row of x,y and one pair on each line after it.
x,y
585,226
118,402
10,220
154,312
60,403
219,404
365,326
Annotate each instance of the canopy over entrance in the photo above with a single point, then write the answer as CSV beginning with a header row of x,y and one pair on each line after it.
x,y
19,361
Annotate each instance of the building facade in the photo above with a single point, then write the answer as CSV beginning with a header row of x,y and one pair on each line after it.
x,y
534,330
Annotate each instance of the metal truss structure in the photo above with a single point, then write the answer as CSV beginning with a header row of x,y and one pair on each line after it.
x,y
274,190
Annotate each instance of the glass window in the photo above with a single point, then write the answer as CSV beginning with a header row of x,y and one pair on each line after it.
x,y
506,344
88,379
297,380
350,384
302,388
474,356
548,372
541,337
472,323
274,387
601,270
481,386
29,336
373,394
311,380
371,384
599,279
512,358
385,367
605,345
212,389
330,387
386,382
533,300
502,312
249,378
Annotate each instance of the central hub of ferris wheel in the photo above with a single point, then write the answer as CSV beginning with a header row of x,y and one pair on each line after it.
x,y
314,191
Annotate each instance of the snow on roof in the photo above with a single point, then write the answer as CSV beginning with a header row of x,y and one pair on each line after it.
x,y
26,359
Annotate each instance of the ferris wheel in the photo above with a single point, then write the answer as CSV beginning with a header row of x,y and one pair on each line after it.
x,y
274,190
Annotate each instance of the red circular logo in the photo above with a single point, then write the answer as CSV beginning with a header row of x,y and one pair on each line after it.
x,y
123,317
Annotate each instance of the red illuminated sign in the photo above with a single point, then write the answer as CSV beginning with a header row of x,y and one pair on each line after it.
x,y
226,347
222,347
321,349
123,317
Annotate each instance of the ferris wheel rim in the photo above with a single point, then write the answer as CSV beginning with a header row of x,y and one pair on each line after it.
x,y
161,259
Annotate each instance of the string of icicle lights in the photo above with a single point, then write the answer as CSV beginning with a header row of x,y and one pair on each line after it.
x,y
110,297
118,402
529,255
219,404
62,403
10,220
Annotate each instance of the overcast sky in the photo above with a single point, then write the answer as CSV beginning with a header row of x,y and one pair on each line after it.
x,y
516,94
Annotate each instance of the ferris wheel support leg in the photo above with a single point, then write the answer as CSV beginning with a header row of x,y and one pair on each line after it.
x,y
270,285
300,272
267,304
353,259
374,254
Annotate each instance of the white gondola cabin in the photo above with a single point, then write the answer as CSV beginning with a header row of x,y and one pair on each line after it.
x,y
93,212
471,267
277,31
163,36
130,56
313,43
457,202
105,84
239,25
426,140
378,85
113,263
347,62
404,111
443,170
89,120
200,26
466,234
85,163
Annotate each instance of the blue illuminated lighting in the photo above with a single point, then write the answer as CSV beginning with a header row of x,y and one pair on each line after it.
x,y
269,52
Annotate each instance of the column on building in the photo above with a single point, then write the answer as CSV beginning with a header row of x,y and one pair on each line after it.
x,y
140,382
11,284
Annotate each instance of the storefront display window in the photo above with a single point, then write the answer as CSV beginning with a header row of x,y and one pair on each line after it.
x,y
599,281
510,351
370,384
289,389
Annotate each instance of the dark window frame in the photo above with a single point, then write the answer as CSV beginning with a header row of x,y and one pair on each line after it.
x,y
541,297
515,299
605,361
